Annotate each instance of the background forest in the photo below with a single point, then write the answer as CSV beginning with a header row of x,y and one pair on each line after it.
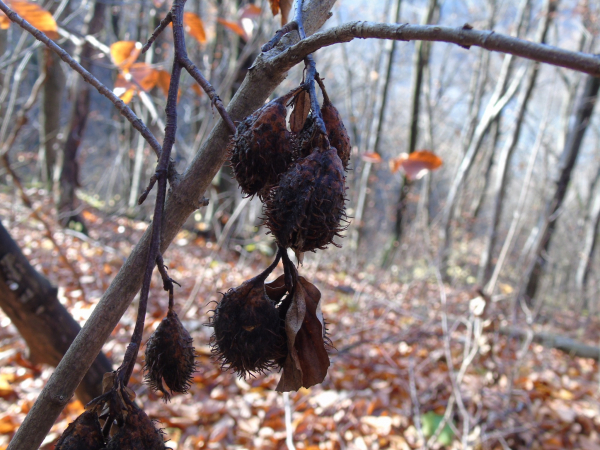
x,y
462,303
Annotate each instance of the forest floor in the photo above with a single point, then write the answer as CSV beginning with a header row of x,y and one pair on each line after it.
x,y
407,357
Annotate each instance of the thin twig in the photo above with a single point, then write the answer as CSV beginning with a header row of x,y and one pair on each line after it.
x,y
187,63
290,26
465,37
88,77
159,29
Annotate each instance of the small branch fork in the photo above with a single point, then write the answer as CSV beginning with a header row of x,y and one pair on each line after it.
x,y
182,58
180,61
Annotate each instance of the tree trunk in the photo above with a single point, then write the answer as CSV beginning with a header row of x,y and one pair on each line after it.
x,y
504,158
420,61
30,301
49,119
371,142
585,108
69,175
501,96
589,241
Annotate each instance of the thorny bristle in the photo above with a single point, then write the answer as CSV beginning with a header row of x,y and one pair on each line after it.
x,y
83,434
170,357
137,433
261,149
246,325
305,210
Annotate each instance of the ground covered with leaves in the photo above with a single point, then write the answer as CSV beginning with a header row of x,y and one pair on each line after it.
x,y
414,365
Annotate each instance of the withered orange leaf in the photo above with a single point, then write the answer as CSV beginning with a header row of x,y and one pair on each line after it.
x,y
32,13
124,53
124,89
307,361
250,11
274,6
164,80
197,89
373,158
300,112
235,27
144,75
284,6
194,26
417,164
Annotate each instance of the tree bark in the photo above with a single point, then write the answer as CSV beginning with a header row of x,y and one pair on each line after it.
x,y
504,158
49,119
30,301
420,61
590,241
534,271
69,175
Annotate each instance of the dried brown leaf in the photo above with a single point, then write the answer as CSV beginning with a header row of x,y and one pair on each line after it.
x,y
307,361
194,26
300,112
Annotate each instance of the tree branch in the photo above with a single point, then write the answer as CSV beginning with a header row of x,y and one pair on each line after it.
x,y
464,36
137,123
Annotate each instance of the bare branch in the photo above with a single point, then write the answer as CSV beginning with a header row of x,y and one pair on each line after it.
x,y
88,77
464,36
159,29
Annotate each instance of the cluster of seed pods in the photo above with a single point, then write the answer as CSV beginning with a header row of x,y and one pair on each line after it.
x,y
300,178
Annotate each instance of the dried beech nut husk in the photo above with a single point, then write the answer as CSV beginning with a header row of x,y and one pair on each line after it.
x,y
336,131
137,433
83,434
247,337
305,210
261,148
170,357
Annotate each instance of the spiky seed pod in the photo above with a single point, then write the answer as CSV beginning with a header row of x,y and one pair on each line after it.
x,y
170,357
261,148
304,211
83,434
246,324
137,433
336,131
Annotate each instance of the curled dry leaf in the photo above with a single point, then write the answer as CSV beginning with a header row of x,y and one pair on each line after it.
x,y
300,112
373,158
250,11
284,6
32,13
417,164
194,26
124,53
235,27
307,361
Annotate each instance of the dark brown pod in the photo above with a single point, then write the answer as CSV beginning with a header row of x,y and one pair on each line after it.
x,y
137,433
170,357
305,210
336,131
83,434
246,323
261,148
